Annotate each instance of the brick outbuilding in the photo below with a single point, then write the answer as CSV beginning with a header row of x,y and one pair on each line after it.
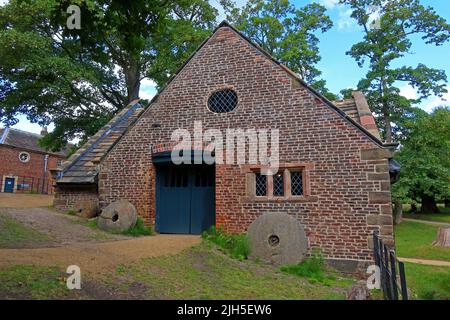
x,y
24,165
333,168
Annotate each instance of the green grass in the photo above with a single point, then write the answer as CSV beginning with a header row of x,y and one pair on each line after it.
x,y
414,240
235,245
428,282
32,282
14,234
203,272
71,212
314,269
139,229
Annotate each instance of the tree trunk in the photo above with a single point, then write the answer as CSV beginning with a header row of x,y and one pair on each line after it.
x,y
447,203
132,80
398,212
428,204
387,125
413,208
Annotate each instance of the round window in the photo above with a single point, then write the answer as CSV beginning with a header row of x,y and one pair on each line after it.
x,y
24,156
222,101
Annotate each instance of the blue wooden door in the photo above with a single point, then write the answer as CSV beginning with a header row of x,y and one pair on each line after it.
x,y
185,199
9,185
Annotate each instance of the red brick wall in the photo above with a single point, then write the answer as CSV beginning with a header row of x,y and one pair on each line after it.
x,y
68,198
344,210
10,165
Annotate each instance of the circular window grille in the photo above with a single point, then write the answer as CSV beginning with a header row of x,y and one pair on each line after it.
x,y
222,101
24,156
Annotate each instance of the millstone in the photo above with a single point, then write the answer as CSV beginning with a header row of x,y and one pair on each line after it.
x,y
277,238
119,216
86,208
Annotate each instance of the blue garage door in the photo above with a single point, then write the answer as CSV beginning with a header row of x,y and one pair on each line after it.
x,y
185,199
9,185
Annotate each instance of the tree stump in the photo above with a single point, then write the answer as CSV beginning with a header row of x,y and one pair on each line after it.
x,y
443,238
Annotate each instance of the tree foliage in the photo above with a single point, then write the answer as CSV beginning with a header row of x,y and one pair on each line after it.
x,y
425,159
383,47
287,33
78,79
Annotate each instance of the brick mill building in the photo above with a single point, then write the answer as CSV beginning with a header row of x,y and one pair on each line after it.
x,y
24,165
334,169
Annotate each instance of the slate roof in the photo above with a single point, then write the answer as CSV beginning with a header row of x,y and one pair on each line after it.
x,y
82,167
26,141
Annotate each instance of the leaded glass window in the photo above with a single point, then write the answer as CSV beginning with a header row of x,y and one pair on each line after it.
x,y
296,183
222,101
278,185
261,185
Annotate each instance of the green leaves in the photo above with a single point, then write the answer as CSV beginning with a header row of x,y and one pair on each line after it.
x,y
286,32
425,158
382,47
78,79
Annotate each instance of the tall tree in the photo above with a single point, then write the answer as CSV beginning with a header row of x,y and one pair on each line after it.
x,y
79,78
385,44
288,33
425,160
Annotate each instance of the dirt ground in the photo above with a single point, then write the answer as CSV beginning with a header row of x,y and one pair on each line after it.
x,y
72,243
99,258
17,200
61,229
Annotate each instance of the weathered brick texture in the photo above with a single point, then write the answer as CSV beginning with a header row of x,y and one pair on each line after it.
x,y
349,196
10,165
68,198
349,167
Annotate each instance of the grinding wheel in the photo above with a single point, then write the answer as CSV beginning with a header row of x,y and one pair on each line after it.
x,y
119,216
277,238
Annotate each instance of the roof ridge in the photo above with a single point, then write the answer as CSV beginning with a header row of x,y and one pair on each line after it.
x,y
326,101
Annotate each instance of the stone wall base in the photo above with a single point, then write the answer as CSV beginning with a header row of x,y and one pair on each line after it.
x,y
354,267
75,197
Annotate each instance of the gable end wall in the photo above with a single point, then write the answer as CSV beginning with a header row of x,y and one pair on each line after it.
x,y
350,190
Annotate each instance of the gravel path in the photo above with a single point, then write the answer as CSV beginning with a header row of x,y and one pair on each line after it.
x,y
62,229
99,258
17,200
94,251
437,263
433,223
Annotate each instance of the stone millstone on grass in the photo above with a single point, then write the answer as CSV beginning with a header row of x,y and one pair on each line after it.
x,y
119,216
443,238
277,238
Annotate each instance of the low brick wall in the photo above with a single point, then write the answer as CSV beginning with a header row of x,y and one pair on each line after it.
x,y
66,198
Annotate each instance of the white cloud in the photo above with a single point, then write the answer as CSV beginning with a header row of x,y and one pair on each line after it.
x,y
148,89
329,4
433,102
429,104
408,92
345,20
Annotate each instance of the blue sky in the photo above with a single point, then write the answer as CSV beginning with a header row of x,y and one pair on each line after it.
x,y
339,70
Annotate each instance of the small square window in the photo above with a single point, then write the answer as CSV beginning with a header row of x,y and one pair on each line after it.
x,y
261,185
296,183
278,185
